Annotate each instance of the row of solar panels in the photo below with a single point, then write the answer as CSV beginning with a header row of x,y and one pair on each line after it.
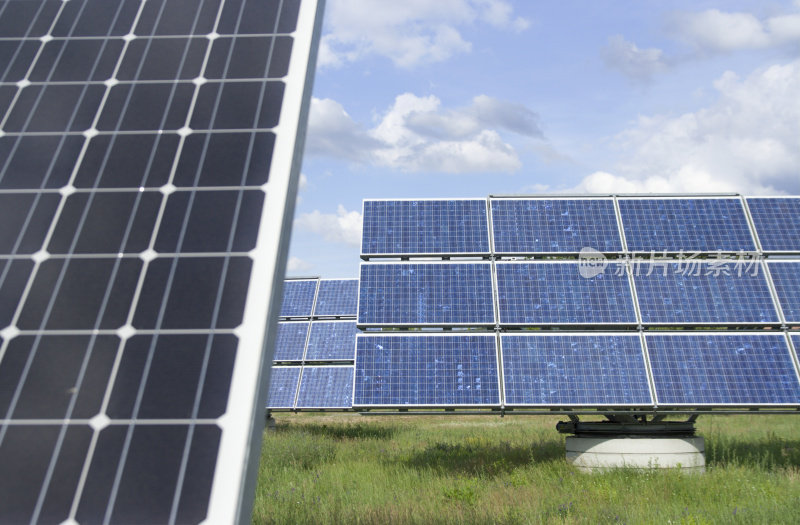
x,y
319,298
545,293
315,341
551,370
555,225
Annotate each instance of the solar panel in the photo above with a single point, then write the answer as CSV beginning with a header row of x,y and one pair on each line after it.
x,y
332,341
426,294
548,293
326,387
786,278
723,369
777,222
298,297
397,227
685,225
554,225
337,298
283,386
692,292
426,370
290,343
143,197
574,370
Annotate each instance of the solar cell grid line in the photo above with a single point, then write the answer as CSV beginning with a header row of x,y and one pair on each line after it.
x,y
785,276
283,384
685,224
574,370
426,294
332,341
554,225
290,342
325,387
562,293
723,369
112,138
425,227
337,298
777,223
720,292
426,370
298,297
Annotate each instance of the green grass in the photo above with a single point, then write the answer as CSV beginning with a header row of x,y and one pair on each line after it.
x,y
485,469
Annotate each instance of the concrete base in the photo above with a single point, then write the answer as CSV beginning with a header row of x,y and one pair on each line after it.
x,y
593,454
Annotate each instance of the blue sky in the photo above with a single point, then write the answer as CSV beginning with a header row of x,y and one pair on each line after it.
x,y
466,98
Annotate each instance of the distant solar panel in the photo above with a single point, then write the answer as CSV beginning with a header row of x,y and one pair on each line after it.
x,y
298,297
723,369
337,297
426,370
693,292
685,225
290,343
283,386
548,293
426,294
777,222
574,370
416,227
554,225
332,341
326,387
786,278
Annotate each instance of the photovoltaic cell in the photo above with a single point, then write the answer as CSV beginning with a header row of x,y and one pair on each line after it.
x,y
777,222
729,369
426,370
290,342
138,229
554,225
326,387
298,297
332,341
563,293
574,370
337,297
283,386
786,278
685,225
426,294
425,227
717,292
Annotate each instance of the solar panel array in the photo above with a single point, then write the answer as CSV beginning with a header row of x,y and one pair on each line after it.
x,y
148,151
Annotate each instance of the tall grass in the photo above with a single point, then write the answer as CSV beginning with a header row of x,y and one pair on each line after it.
x,y
473,469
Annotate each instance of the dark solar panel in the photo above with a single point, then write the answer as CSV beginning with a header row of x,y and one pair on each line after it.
x,y
723,369
290,343
574,370
326,387
786,278
337,297
426,370
332,341
554,225
283,386
777,222
298,297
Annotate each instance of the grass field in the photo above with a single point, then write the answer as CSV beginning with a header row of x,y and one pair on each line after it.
x,y
345,468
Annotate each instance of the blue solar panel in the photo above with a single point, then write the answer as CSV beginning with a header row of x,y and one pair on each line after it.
x,y
554,225
326,387
426,370
727,369
290,342
298,297
426,294
685,225
786,278
777,222
337,297
332,341
574,370
283,386
703,292
425,227
557,293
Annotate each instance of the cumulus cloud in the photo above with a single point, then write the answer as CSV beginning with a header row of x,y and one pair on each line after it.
x,y
410,32
715,30
630,60
342,227
297,265
332,132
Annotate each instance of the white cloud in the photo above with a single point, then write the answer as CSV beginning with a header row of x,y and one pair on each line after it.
x,y
332,132
409,32
297,265
343,226
629,59
715,30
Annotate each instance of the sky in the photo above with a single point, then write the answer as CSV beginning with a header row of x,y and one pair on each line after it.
x,y
470,98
